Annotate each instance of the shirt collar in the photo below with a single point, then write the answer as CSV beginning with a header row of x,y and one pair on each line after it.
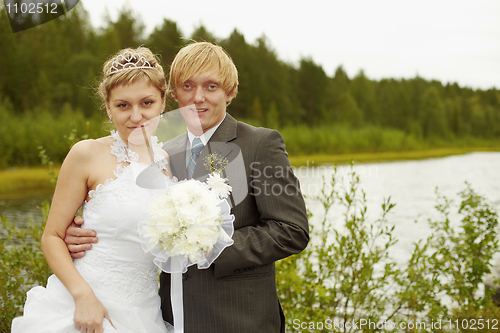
x,y
205,137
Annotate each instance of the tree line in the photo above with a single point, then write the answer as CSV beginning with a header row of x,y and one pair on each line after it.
x,y
55,66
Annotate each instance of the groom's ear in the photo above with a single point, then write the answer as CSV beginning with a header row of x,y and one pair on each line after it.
x,y
229,98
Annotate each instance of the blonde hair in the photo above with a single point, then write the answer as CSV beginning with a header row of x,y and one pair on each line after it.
x,y
154,75
202,57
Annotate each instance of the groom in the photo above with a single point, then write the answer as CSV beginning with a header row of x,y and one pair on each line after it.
x,y
238,292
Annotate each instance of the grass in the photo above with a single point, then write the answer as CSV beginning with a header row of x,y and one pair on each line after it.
x,y
320,159
16,181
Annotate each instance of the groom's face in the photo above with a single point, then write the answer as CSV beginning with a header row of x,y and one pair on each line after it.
x,y
202,101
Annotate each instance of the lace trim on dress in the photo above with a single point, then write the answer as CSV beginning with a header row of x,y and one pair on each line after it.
x,y
121,151
124,154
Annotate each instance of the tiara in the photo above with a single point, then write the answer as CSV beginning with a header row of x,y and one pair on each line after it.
x,y
127,58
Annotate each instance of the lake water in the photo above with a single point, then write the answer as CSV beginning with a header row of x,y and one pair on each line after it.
x,y
22,207
410,184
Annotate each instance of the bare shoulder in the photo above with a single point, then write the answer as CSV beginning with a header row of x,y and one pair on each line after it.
x,y
87,150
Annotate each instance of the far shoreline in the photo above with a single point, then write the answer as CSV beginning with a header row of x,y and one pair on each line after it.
x,y
381,157
23,182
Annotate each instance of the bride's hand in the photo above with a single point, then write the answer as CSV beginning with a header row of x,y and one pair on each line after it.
x,y
90,314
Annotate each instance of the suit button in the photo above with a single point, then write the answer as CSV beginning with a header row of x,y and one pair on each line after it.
x,y
184,276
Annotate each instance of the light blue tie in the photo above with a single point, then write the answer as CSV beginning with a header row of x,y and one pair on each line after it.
x,y
195,153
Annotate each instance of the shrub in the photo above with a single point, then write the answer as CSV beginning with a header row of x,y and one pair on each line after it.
x,y
346,274
22,265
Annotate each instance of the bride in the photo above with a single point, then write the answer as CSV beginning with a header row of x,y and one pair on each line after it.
x,y
114,287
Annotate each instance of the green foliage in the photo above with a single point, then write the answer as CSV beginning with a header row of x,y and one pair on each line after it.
x,y
256,110
56,67
464,252
346,274
337,139
48,163
393,98
201,34
433,114
22,134
312,90
22,265
343,139
166,41
272,117
364,93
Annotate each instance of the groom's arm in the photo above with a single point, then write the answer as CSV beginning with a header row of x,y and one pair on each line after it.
x,y
79,240
279,227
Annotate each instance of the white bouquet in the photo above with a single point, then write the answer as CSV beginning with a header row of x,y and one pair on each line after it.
x,y
189,224
187,221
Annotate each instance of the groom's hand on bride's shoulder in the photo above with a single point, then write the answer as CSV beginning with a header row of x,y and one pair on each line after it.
x,y
79,240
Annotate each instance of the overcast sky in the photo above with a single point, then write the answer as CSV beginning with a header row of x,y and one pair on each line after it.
x,y
447,40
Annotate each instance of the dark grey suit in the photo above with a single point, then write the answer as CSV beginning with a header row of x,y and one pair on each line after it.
x,y
237,294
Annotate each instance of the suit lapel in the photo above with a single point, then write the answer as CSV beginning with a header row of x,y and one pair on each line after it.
x,y
226,131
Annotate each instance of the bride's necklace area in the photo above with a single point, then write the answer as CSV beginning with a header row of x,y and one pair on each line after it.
x,y
120,149
151,177
126,154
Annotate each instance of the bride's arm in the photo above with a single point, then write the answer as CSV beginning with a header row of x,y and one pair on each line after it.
x,y
71,190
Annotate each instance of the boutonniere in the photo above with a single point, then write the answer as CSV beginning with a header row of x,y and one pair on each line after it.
x,y
216,164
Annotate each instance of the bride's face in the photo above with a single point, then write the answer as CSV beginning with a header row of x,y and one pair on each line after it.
x,y
135,107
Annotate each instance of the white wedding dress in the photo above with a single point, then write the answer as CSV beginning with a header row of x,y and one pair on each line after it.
x,y
122,275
